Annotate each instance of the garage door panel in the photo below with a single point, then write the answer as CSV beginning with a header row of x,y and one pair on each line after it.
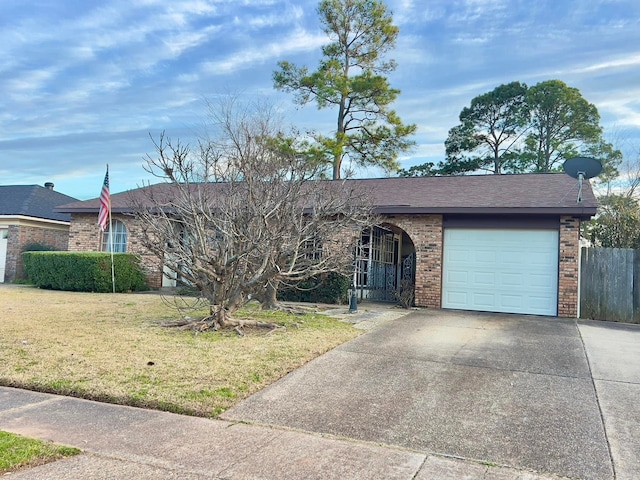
x,y
483,300
514,271
484,279
540,302
511,280
458,277
543,259
512,301
541,280
460,255
457,299
484,257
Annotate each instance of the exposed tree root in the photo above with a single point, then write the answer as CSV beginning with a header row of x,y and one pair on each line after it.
x,y
292,309
219,320
239,326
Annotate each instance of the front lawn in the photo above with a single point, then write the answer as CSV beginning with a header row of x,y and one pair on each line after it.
x,y
112,347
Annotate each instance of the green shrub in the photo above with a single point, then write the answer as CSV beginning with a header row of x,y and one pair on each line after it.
x,y
329,288
38,247
84,271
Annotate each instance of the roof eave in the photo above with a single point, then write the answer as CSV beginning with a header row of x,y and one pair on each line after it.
x,y
92,210
584,213
29,218
578,211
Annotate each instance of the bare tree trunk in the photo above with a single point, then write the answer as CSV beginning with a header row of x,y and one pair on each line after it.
x,y
270,300
267,297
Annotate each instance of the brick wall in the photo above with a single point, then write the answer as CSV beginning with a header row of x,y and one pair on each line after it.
x,y
568,275
85,236
56,236
151,264
426,233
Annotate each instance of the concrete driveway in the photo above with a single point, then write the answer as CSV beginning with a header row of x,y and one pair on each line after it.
x,y
547,394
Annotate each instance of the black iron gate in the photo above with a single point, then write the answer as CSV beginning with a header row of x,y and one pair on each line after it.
x,y
380,273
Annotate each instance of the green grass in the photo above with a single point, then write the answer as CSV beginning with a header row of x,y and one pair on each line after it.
x,y
20,452
113,348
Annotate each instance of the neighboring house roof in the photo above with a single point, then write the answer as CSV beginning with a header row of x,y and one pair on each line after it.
x,y
544,193
33,201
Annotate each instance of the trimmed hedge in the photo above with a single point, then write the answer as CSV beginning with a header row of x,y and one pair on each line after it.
x,y
38,247
330,288
84,271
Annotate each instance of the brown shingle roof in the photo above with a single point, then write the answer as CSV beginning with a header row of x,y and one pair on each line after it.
x,y
545,193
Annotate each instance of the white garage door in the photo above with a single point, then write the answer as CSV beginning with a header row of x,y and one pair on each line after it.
x,y
512,271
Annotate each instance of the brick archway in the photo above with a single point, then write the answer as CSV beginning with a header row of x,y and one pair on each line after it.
x,y
426,233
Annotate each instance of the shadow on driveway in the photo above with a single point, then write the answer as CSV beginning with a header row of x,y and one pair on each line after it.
x,y
507,389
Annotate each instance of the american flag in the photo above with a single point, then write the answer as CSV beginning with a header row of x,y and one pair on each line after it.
x,y
105,203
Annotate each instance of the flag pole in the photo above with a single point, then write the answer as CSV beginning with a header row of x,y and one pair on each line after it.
x,y
103,215
113,272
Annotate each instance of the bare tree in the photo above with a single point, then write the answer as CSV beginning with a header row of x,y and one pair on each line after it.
x,y
630,174
245,212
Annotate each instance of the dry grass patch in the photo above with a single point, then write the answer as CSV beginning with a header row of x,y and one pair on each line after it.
x,y
112,348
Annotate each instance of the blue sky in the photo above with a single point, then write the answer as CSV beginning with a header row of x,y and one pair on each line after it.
x,y
83,83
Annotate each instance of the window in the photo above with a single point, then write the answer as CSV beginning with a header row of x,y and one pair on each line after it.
x,y
312,248
383,246
119,238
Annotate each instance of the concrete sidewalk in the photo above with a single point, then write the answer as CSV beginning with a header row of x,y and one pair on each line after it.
x,y
129,443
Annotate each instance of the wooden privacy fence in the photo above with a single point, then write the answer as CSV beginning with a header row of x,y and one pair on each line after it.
x,y
610,284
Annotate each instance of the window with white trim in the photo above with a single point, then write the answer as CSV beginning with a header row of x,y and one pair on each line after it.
x,y
119,240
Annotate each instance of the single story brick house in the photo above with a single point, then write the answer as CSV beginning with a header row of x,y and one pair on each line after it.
x,y
27,216
498,243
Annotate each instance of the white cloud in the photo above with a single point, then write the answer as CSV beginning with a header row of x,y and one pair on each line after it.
x,y
144,65
298,41
623,62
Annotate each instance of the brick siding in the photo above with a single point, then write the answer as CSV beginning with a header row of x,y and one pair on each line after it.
x,y
426,233
19,236
568,275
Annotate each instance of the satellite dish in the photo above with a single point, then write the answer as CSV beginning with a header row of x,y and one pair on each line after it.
x,y
581,168
588,167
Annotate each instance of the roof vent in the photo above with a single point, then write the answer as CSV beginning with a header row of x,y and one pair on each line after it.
x,y
49,185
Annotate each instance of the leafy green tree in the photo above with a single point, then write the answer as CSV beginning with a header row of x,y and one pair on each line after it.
x,y
617,224
489,130
610,158
350,79
563,125
423,170
515,129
